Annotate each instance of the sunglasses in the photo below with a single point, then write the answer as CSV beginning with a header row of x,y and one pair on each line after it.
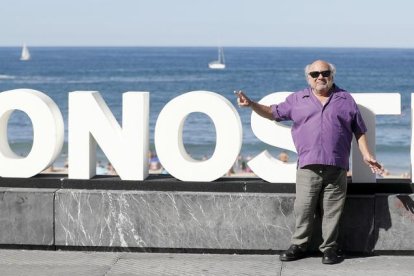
x,y
315,74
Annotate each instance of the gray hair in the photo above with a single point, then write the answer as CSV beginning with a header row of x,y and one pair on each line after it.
x,y
332,68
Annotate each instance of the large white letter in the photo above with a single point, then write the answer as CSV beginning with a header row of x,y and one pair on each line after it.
x,y
48,132
371,104
276,134
91,122
169,140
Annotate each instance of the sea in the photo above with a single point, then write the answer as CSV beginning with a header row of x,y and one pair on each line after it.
x,y
167,72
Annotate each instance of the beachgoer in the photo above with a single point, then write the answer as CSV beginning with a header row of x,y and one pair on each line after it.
x,y
324,119
110,169
237,166
283,156
100,168
154,162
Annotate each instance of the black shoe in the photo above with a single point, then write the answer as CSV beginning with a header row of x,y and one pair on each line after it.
x,y
330,256
295,252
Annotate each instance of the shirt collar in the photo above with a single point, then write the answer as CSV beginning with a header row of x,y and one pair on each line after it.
x,y
335,91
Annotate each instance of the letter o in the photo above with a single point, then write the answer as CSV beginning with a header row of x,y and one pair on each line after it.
x,y
169,136
48,132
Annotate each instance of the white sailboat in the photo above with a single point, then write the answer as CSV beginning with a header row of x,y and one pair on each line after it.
x,y
25,53
218,64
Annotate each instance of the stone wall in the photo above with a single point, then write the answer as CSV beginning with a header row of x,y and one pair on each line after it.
x,y
163,213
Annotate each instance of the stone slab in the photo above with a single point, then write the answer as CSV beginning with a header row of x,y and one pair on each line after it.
x,y
351,266
222,215
26,216
356,232
196,264
358,224
174,219
394,216
41,263
239,221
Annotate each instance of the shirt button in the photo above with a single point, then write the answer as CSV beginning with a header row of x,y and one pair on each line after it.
x,y
320,171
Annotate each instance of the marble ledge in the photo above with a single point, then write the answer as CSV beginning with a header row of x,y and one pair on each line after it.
x,y
173,219
26,216
191,220
394,218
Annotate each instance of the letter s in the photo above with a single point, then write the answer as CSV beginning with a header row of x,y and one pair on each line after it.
x,y
276,134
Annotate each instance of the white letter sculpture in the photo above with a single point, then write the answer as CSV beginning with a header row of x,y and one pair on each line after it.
x,y
91,123
169,136
371,104
48,132
276,134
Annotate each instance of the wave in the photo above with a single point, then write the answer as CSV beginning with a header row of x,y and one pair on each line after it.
x,y
36,79
7,77
134,79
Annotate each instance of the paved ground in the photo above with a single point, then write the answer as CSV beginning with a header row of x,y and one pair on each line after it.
x,y
28,262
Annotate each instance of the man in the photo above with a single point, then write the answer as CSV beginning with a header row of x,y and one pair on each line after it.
x,y
324,119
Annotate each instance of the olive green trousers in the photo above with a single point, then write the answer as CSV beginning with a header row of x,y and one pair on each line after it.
x,y
323,186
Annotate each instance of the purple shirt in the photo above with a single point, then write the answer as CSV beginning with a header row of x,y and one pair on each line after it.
x,y
322,134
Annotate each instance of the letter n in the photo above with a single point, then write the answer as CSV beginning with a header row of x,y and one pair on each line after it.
x,y
91,123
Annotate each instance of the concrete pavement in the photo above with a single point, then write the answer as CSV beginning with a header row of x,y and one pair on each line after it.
x,y
35,262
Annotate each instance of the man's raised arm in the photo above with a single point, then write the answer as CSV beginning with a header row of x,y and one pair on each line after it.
x,y
244,101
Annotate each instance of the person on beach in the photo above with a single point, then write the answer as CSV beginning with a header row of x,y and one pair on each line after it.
x,y
283,156
324,119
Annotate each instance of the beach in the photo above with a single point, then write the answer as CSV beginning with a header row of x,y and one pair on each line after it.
x,y
239,169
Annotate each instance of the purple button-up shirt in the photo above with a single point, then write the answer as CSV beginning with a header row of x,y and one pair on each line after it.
x,y
322,133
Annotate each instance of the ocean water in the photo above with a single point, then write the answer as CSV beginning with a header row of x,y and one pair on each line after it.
x,y
169,72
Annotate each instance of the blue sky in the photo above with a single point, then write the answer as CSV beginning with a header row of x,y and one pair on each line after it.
x,y
298,23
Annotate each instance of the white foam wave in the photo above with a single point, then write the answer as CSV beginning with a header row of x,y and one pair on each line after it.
x,y
6,77
86,80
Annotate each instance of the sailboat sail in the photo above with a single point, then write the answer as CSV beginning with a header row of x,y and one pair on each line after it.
x,y
218,64
25,53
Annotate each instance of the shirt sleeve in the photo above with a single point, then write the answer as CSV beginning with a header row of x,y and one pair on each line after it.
x,y
358,124
283,110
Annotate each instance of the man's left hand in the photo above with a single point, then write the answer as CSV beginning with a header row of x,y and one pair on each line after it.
x,y
374,165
